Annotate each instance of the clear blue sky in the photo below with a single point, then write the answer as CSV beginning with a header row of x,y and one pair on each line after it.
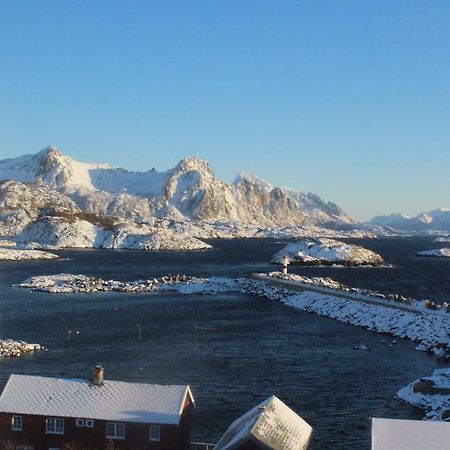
x,y
347,99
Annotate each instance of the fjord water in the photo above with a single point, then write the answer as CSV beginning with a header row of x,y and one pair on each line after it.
x,y
259,347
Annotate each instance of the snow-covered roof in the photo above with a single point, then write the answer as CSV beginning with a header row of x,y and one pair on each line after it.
x,y
271,425
114,401
395,434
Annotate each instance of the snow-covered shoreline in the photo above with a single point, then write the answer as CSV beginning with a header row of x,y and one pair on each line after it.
x,y
430,393
13,254
70,283
429,329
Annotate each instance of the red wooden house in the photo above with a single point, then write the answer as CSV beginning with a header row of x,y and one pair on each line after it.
x,y
40,413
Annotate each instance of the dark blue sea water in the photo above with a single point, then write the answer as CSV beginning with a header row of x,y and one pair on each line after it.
x,y
261,348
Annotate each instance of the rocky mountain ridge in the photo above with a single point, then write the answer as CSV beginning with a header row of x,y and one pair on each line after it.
x,y
435,220
188,191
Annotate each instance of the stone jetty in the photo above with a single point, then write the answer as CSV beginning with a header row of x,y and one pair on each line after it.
x,y
10,348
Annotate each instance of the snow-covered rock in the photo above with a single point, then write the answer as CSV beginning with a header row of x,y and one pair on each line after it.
x,y
438,252
322,251
430,393
10,348
13,254
52,232
21,204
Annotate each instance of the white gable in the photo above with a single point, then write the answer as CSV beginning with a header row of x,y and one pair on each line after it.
x,y
395,434
114,401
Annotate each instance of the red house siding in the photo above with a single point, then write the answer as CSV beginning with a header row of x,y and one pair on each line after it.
x,y
172,437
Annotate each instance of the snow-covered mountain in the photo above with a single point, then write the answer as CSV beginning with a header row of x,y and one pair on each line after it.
x,y
189,191
435,220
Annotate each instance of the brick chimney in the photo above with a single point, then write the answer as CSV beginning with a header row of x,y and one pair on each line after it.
x,y
98,375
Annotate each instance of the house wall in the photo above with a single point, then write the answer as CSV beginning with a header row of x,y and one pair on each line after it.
x,y
33,432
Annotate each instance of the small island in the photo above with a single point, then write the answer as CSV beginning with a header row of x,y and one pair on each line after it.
x,y
327,252
436,252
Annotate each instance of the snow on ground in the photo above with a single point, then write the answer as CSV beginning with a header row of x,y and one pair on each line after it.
x,y
322,251
430,393
12,254
438,252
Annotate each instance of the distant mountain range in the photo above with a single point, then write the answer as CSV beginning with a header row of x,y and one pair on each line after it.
x,y
435,220
188,191
49,200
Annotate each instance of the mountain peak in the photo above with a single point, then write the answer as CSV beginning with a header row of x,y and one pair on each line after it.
x,y
253,179
50,151
193,163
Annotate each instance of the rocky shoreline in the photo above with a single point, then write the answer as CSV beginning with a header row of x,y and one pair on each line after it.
x,y
431,393
12,349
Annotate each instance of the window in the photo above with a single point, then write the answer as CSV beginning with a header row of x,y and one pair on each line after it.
x,y
89,423
79,422
115,430
16,423
54,425
155,433
54,448
24,447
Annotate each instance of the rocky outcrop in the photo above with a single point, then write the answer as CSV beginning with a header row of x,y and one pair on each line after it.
x,y
22,203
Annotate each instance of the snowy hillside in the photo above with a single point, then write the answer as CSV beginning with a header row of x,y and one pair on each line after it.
x,y
435,220
188,191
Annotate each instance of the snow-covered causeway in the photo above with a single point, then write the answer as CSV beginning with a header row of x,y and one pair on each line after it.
x,y
429,328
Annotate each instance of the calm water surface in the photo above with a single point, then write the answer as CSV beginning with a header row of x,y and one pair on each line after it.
x,y
261,347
